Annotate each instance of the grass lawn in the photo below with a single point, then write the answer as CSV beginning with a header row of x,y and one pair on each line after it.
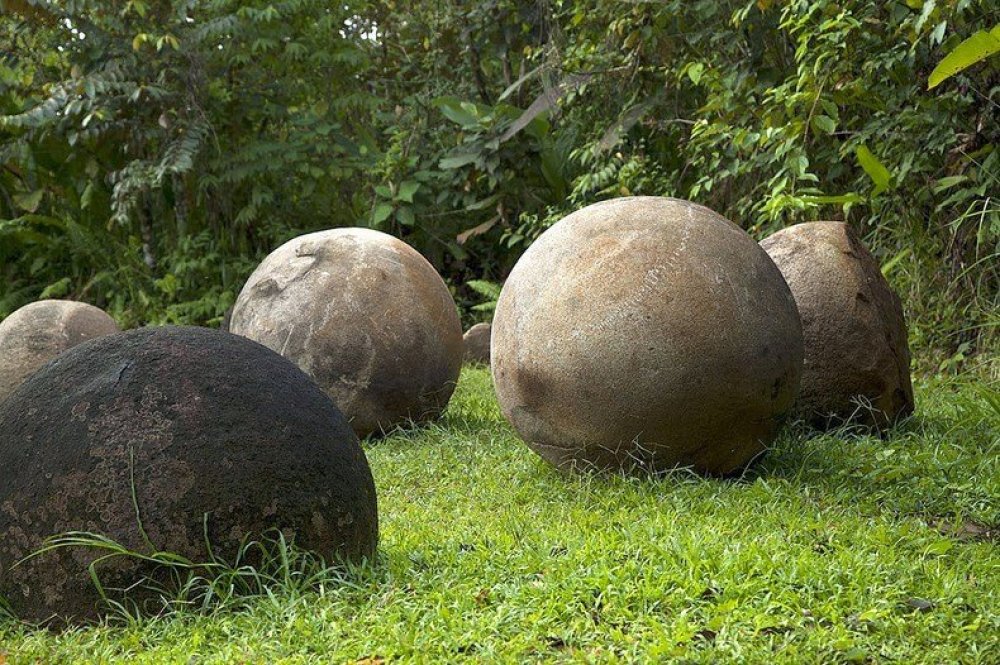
x,y
832,549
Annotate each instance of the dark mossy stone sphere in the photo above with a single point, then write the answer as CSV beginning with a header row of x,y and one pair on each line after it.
x,y
176,435
645,333
857,360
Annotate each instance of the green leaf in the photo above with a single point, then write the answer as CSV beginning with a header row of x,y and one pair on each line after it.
x,y
855,655
869,615
382,212
170,40
850,197
937,35
405,216
88,195
485,288
874,168
456,161
453,109
407,189
29,202
948,181
694,72
824,123
924,14
939,547
975,49
55,289
894,261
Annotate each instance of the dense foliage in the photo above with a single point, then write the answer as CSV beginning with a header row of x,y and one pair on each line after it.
x,y
153,150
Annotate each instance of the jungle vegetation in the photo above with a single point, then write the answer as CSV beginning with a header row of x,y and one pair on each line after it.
x,y
153,151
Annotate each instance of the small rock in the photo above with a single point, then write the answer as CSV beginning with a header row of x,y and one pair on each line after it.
x,y
477,343
920,604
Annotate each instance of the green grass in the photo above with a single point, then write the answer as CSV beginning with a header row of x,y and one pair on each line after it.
x,y
840,548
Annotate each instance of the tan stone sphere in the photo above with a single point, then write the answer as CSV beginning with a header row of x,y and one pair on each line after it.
x,y
366,316
643,334
36,333
857,361
477,343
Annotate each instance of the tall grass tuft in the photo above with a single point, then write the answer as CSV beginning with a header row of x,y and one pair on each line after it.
x,y
270,566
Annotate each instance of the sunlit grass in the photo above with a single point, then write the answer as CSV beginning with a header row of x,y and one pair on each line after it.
x,y
835,548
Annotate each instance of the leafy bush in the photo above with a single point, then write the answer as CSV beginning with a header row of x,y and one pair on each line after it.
x,y
152,151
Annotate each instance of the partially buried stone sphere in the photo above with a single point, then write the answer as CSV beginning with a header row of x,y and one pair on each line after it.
x,y
37,333
366,316
477,343
161,433
857,361
646,333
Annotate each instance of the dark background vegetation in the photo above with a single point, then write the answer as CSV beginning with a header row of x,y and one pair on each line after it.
x,y
153,151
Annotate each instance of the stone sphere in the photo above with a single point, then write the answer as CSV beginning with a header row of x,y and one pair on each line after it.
x,y
37,333
646,333
477,343
161,439
363,314
857,361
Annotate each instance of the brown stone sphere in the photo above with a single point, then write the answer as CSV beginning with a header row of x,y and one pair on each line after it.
x,y
857,361
363,314
37,333
477,343
646,333
163,439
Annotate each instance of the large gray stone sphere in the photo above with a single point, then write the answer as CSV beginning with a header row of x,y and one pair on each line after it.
x,y
645,333
857,360
363,314
159,438
37,333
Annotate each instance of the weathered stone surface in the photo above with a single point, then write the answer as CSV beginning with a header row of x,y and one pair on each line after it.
x,y
856,351
366,316
37,333
477,343
645,333
194,427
